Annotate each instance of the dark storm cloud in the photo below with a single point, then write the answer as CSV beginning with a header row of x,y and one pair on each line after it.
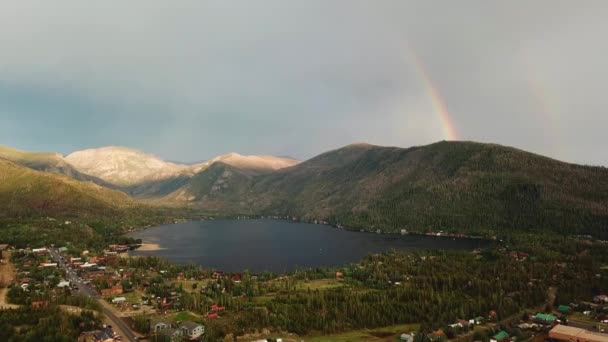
x,y
191,79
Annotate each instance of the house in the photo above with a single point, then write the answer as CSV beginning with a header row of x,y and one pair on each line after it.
x,y
160,325
502,336
546,319
112,291
40,304
478,320
40,251
600,298
567,333
437,335
3,247
519,256
62,249
564,309
104,335
48,264
192,330
215,307
339,275
236,278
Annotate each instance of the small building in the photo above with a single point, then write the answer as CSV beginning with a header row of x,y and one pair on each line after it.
x,y
502,336
567,333
119,300
3,247
546,319
564,309
192,330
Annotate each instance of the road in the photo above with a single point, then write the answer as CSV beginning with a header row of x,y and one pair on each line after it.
x,y
85,289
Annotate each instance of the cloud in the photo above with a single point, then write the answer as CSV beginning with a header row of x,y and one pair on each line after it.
x,y
192,79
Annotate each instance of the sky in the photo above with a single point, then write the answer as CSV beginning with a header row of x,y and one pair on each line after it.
x,y
189,80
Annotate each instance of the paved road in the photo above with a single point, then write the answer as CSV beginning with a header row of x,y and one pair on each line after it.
x,y
85,289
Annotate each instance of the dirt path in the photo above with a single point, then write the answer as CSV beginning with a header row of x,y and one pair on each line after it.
x,y
7,277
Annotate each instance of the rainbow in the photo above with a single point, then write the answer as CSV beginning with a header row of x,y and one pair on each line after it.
x,y
439,106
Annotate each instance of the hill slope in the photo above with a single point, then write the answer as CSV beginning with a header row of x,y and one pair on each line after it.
x,y
48,162
27,192
448,185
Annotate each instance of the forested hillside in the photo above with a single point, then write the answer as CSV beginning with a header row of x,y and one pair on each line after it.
x,y
48,162
456,186
26,192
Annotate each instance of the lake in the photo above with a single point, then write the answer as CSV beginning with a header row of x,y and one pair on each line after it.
x,y
276,245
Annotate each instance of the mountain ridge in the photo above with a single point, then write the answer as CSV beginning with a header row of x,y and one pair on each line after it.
x,y
463,186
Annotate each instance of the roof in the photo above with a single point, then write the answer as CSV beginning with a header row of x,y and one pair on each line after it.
x,y
545,317
501,335
566,333
190,325
161,322
563,308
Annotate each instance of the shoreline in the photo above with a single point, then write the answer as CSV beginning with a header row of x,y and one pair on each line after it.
x,y
150,247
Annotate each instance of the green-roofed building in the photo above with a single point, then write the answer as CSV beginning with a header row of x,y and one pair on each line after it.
x,y
500,337
544,318
565,309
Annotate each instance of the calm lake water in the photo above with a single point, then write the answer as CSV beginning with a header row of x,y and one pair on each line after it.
x,y
276,245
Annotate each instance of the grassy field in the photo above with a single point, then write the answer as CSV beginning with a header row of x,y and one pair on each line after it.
x,y
391,333
187,284
185,316
321,284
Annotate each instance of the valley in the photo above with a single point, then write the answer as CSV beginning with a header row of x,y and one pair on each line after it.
x,y
543,224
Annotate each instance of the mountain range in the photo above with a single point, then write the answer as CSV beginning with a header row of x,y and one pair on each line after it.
x,y
460,186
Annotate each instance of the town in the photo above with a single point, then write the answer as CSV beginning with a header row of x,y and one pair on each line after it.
x,y
132,298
